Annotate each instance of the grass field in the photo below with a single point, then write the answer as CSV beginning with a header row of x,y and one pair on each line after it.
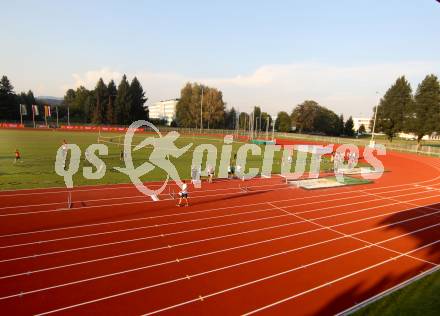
x,y
418,298
38,150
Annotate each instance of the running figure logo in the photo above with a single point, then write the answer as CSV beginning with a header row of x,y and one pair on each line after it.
x,y
163,148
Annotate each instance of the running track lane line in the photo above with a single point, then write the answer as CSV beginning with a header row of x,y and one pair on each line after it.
x,y
194,194
239,191
199,219
235,234
215,226
392,198
247,283
182,213
338,279
349,235
250,231
222,250
227,249
241,263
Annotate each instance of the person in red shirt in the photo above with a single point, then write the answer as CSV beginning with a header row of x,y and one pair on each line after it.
x,y
17,156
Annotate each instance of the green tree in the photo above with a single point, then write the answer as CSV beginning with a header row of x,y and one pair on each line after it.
x,y
184,117
256,115
362,129
231,118
265,119
243,120
304,115
425,111
5,86
311,117
188,108
213,108
138,99
8,100
81,110
393,108
28,99
101,102
348,127
340,125
283,122
110,111
123,102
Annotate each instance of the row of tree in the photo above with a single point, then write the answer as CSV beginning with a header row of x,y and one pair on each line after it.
x,y
401,111
107,103
398,111
203,106
10,101
310,117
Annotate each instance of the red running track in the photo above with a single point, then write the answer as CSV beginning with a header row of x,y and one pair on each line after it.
x,y
272,249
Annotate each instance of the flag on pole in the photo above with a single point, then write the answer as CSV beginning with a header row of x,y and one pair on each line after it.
x,y
35,110
47,111
23,109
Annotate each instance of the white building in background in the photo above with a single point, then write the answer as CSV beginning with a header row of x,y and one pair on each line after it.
x,y
163,110
411,136
358,121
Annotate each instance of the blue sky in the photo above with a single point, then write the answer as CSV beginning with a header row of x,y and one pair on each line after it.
x,y
273,53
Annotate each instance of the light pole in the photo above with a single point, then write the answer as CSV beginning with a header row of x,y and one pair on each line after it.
x,y
374,122
201,112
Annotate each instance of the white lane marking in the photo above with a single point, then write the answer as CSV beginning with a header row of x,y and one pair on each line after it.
x,y
338,279
149,237
189,221
235,287
347,235
183,213
222,268
132,229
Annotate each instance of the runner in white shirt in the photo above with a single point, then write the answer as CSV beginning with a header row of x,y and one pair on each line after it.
x,y
183,194
210,171
64,148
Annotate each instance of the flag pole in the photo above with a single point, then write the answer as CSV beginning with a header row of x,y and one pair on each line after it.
x,y
21,116
267,128
273,129
45,114
56,108
201,112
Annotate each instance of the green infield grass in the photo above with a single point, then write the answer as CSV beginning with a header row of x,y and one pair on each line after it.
x,y
38,151
419,298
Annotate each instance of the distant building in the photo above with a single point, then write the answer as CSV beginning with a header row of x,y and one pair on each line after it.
x,y
411,136
163,110
358,121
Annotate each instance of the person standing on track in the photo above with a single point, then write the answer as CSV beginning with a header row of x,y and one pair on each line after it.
x,y
210,171
183,194
64,148
238,171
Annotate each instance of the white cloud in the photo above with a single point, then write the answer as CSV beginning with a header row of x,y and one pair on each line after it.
x,y
90,78
345,89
